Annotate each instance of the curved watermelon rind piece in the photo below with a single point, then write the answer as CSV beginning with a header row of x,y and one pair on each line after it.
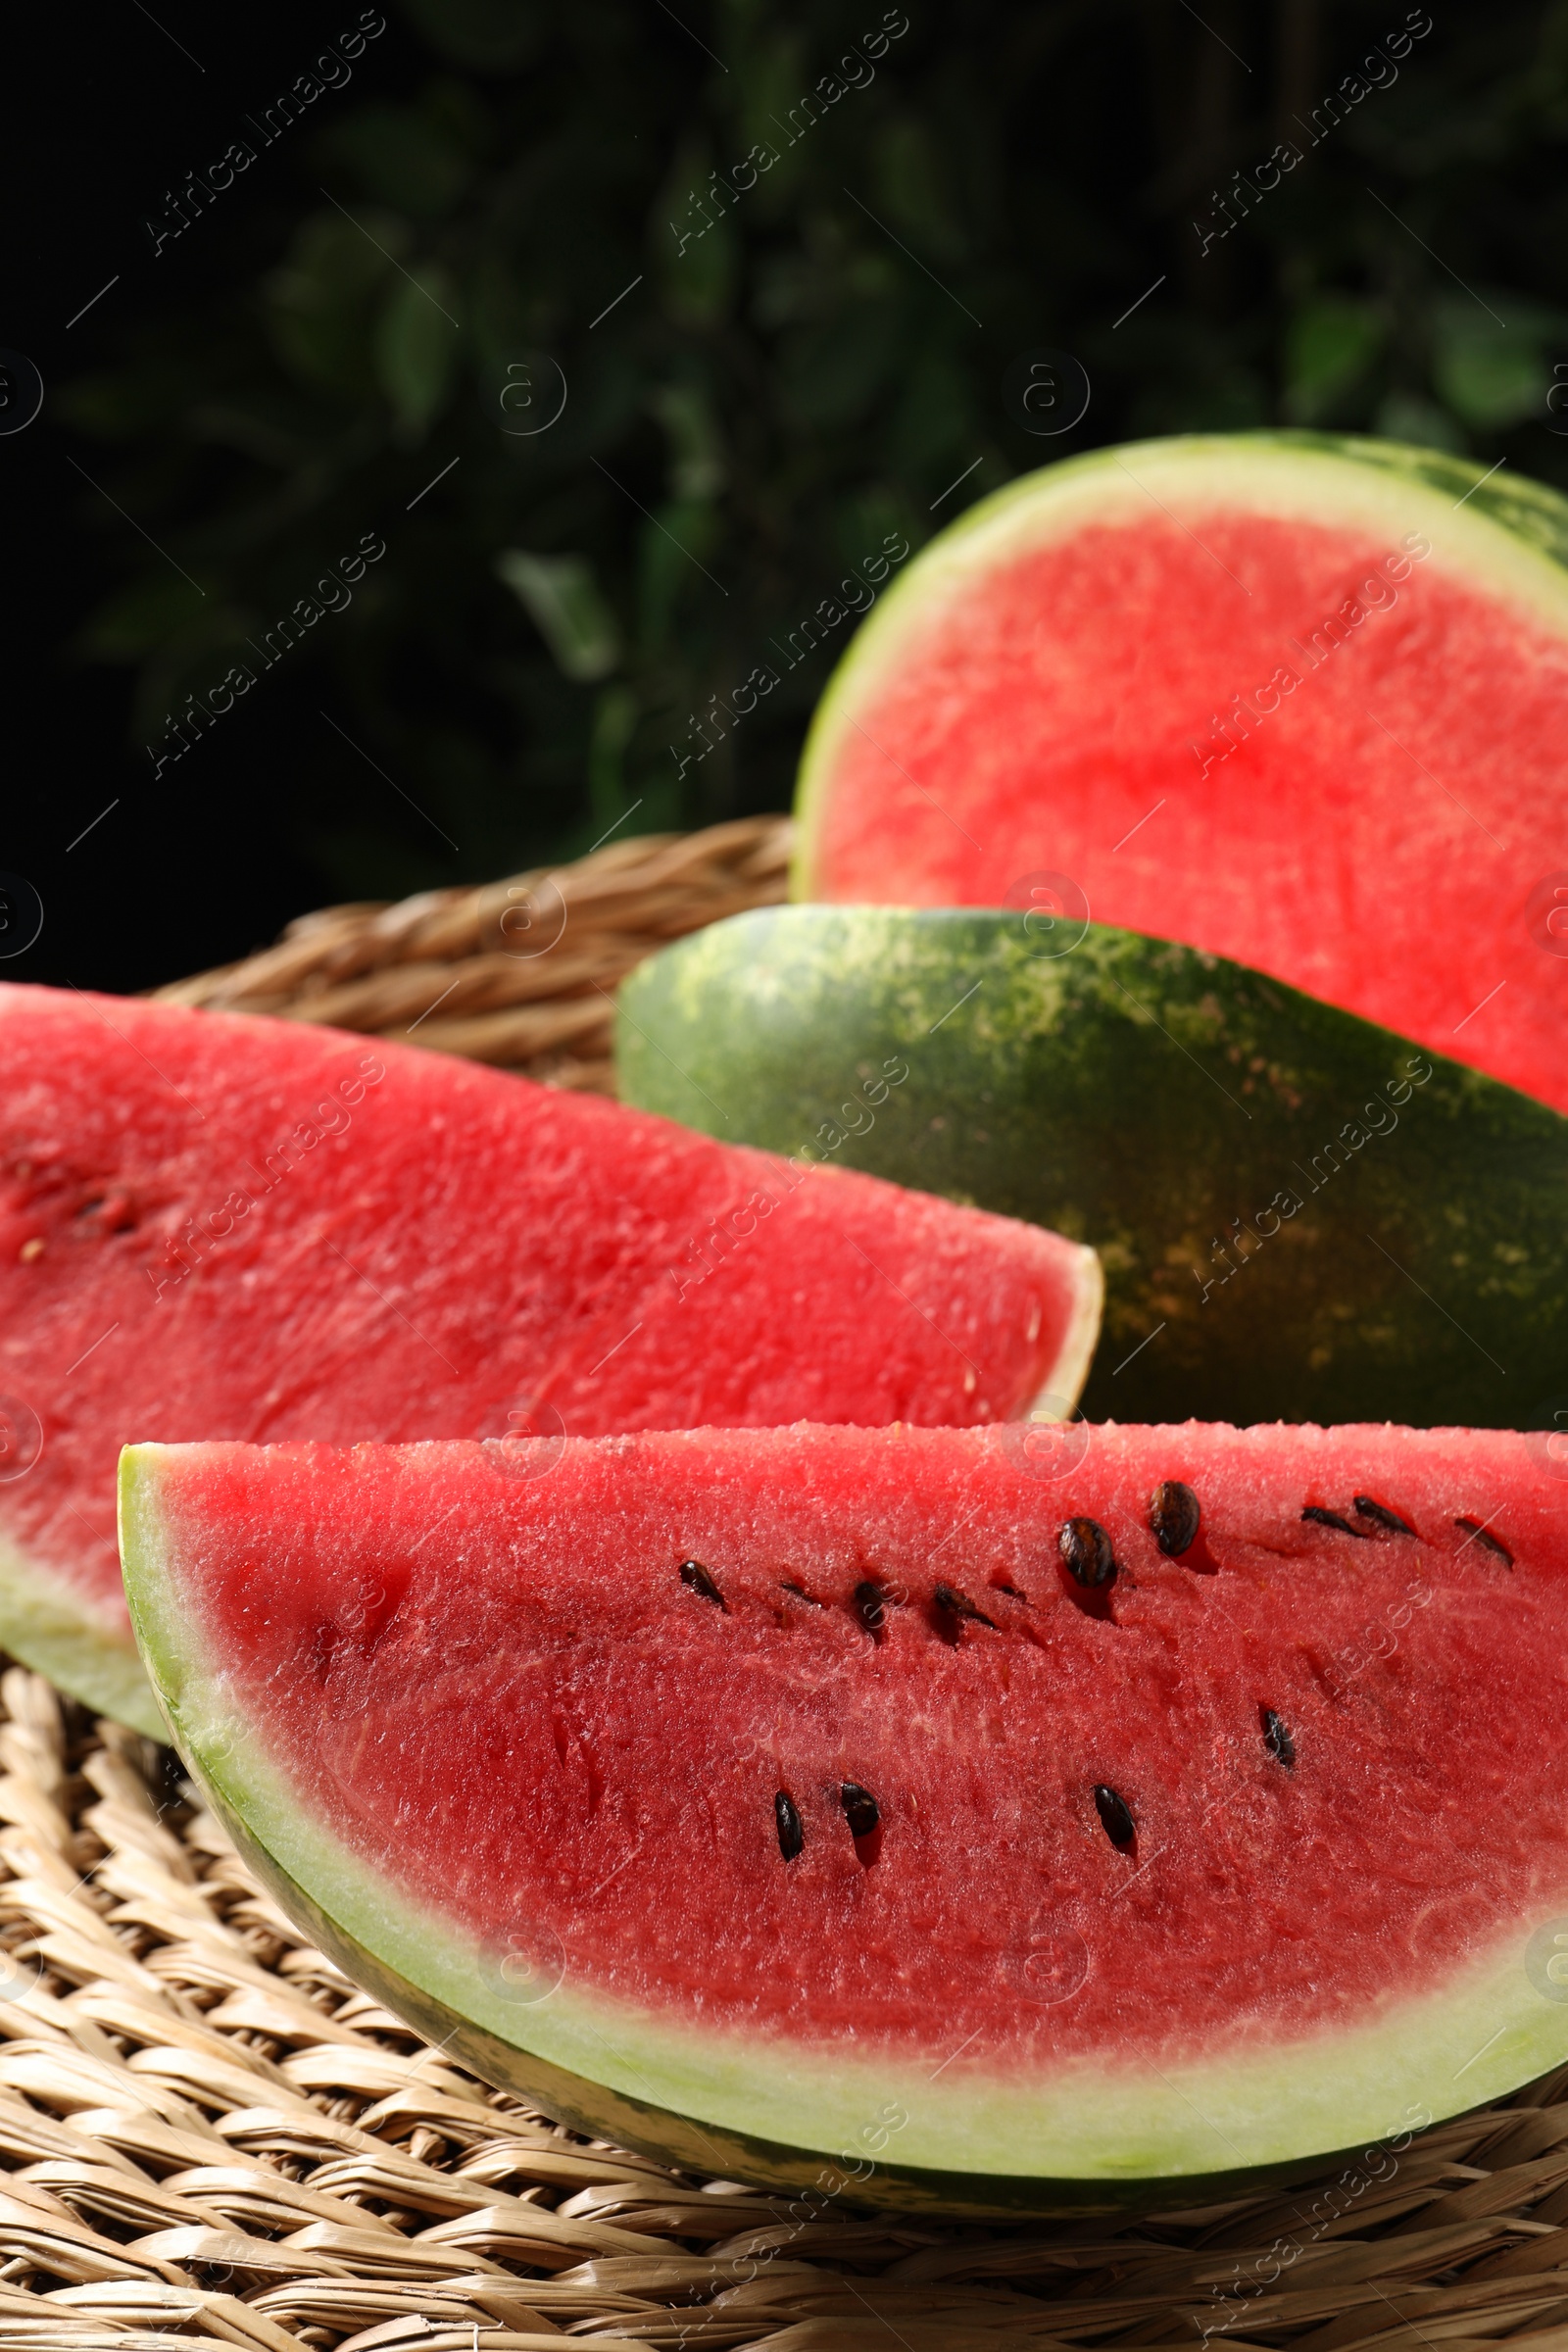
x,y
1059,1400
719,2104
52,1631
1511,532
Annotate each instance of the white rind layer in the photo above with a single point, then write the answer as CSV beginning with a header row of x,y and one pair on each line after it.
x,y
1076,1351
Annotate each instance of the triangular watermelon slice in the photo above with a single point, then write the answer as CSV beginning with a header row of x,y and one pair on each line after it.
x,y
213,1226
995,1819
1296,700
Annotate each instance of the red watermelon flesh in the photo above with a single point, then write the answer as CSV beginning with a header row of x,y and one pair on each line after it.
x,y
1298,703
216,1226
1226,1860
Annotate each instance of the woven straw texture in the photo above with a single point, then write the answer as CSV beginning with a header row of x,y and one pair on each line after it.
x,y
521,973
209,2134
209,2137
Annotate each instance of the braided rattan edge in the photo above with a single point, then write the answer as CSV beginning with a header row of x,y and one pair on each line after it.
x,y
521,973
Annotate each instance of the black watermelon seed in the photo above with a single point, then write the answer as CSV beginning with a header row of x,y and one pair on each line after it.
x,y
859,1809
1478,1534
958,1604
1174,1512
1087,1553
1116,1816
693,1573
1323,1518
1381,1516
801,1594
1277,1739
868,1606
791,1835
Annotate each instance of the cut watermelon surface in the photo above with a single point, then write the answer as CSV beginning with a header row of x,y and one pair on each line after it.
x,y
1294,699
1094,1815
213,1226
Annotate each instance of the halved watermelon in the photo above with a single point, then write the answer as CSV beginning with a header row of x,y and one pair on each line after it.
x,y
1296,700
995,1819
212,1226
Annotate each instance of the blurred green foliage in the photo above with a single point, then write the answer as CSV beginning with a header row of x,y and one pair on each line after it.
x,y
750,409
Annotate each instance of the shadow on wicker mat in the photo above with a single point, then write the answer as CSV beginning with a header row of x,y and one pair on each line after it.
x,y
210,2137
520,972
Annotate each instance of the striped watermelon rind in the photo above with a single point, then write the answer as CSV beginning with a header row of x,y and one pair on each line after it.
x,y
1301,1216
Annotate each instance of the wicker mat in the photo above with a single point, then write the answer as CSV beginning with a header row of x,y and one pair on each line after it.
x,y
211,2136
521,972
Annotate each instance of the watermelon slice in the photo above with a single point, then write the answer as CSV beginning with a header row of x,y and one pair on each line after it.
x,y
1296,700
212,1226
1002,1819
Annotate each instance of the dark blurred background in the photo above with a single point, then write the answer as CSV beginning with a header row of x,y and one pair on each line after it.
x,y
431,232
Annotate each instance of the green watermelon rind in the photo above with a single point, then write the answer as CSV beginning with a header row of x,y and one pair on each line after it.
x,y
759,2110
1137,1094
56,1633
1503,529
